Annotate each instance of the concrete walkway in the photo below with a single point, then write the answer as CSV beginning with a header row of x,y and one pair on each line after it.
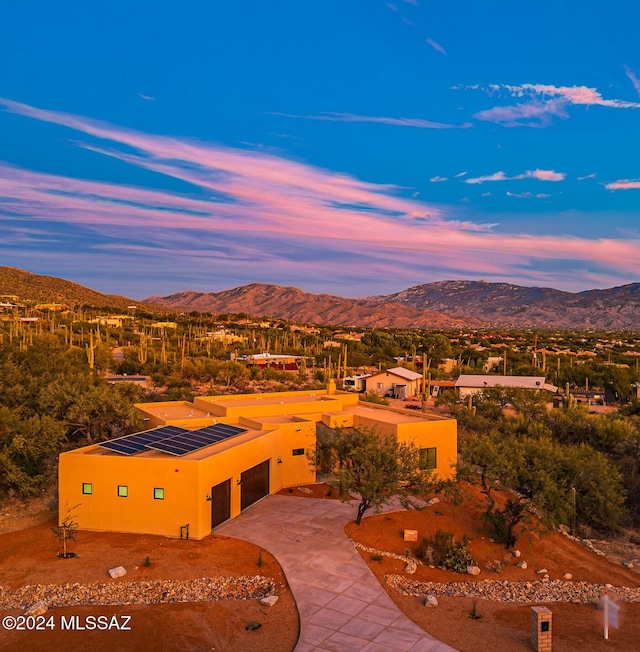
x,y
342,605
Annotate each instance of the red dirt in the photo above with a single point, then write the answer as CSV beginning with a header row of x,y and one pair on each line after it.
x,y
504,627
29,557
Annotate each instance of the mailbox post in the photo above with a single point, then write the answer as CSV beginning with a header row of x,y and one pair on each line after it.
x,y
541,629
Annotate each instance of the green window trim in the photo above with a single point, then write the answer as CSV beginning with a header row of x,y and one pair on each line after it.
x,y
428,458
158,493
87,488
123,491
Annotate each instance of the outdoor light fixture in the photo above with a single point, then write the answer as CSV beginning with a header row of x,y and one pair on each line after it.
x,y
209,499
279,460
238,481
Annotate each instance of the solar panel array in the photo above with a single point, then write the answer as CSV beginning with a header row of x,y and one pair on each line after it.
x,y
172,439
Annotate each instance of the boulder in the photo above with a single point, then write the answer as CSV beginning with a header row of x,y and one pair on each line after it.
x,y
411,567
269,601
118,571
542,571
515,553
37,609
567,576
522,564
473,570
431,601
628,564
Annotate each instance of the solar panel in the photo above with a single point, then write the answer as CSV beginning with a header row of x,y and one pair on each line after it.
x,y
189,441
132,444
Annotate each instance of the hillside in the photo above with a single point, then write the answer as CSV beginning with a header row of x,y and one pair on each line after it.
x,y
507,305
36,288
258,300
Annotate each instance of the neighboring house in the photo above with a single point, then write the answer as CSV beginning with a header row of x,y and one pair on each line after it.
x,y
275,361
447,365
355,383
397,383
204,462
473,384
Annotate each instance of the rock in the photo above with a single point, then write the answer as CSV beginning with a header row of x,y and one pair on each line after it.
x,y
515,553
411,567
627,564
434,501
252,626
37,609
431,601
522,564
473,570
542,571
269,601
567,576
118,571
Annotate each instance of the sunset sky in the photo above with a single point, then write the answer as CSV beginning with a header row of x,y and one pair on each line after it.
x,y
354,147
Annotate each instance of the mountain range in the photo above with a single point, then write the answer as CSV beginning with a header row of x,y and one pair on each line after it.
x,y
444,304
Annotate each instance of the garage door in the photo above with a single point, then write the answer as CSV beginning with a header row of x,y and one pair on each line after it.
x,y
255,484
220,503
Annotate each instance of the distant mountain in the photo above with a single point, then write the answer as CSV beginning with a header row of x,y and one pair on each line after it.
x,y
506,305
36,288
263,300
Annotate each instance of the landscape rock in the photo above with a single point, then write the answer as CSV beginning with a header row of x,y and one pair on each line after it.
x,y
431,601
568,576
37,609
522,564
542,571
433,501
627,564
118,571
269,601
411,567
473,570
515,553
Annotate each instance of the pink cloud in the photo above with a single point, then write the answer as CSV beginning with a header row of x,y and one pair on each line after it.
x,y
296,220
632,78
624,184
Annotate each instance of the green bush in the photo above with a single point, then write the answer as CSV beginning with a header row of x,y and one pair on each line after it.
x,y
445,551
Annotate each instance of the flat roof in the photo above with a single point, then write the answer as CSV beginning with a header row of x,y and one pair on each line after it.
x,y
176,411
267,399
390,415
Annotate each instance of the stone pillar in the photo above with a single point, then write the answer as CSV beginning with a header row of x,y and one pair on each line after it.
x,y
541,629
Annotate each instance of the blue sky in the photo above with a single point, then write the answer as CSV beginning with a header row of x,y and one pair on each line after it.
x,y
354,147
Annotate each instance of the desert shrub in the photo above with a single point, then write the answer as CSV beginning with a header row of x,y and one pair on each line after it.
x,y
445,551
502,522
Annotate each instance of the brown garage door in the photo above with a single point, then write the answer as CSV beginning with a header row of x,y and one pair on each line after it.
x,y
255,484
220,503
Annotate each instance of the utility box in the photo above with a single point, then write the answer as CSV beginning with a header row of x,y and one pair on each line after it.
x,y
541,629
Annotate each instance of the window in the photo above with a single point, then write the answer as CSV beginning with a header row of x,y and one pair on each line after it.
x,y
380,385
158,493
123,491
87,488
297,451
427,458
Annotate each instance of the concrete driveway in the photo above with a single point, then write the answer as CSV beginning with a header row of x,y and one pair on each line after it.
x,y
342,605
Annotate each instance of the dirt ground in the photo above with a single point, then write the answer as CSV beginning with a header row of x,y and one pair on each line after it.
x,y
29,557
503,627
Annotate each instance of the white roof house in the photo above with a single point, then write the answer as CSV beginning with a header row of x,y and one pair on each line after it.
x,y
472,384
397,382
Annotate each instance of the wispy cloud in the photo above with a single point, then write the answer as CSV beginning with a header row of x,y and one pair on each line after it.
x,y
438,179
148,98
460,174
624,184
436,46
398,122
252,213
544,101
540,175
634,80
587,176
528,195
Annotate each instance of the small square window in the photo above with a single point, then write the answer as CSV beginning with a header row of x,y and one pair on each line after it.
x,y
87,488
123,491
297,451
158,493
428,459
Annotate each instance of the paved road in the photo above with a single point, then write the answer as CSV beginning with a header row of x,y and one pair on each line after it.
x,y
342,605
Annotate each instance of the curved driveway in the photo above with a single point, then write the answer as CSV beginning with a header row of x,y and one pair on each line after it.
x,y
342,605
